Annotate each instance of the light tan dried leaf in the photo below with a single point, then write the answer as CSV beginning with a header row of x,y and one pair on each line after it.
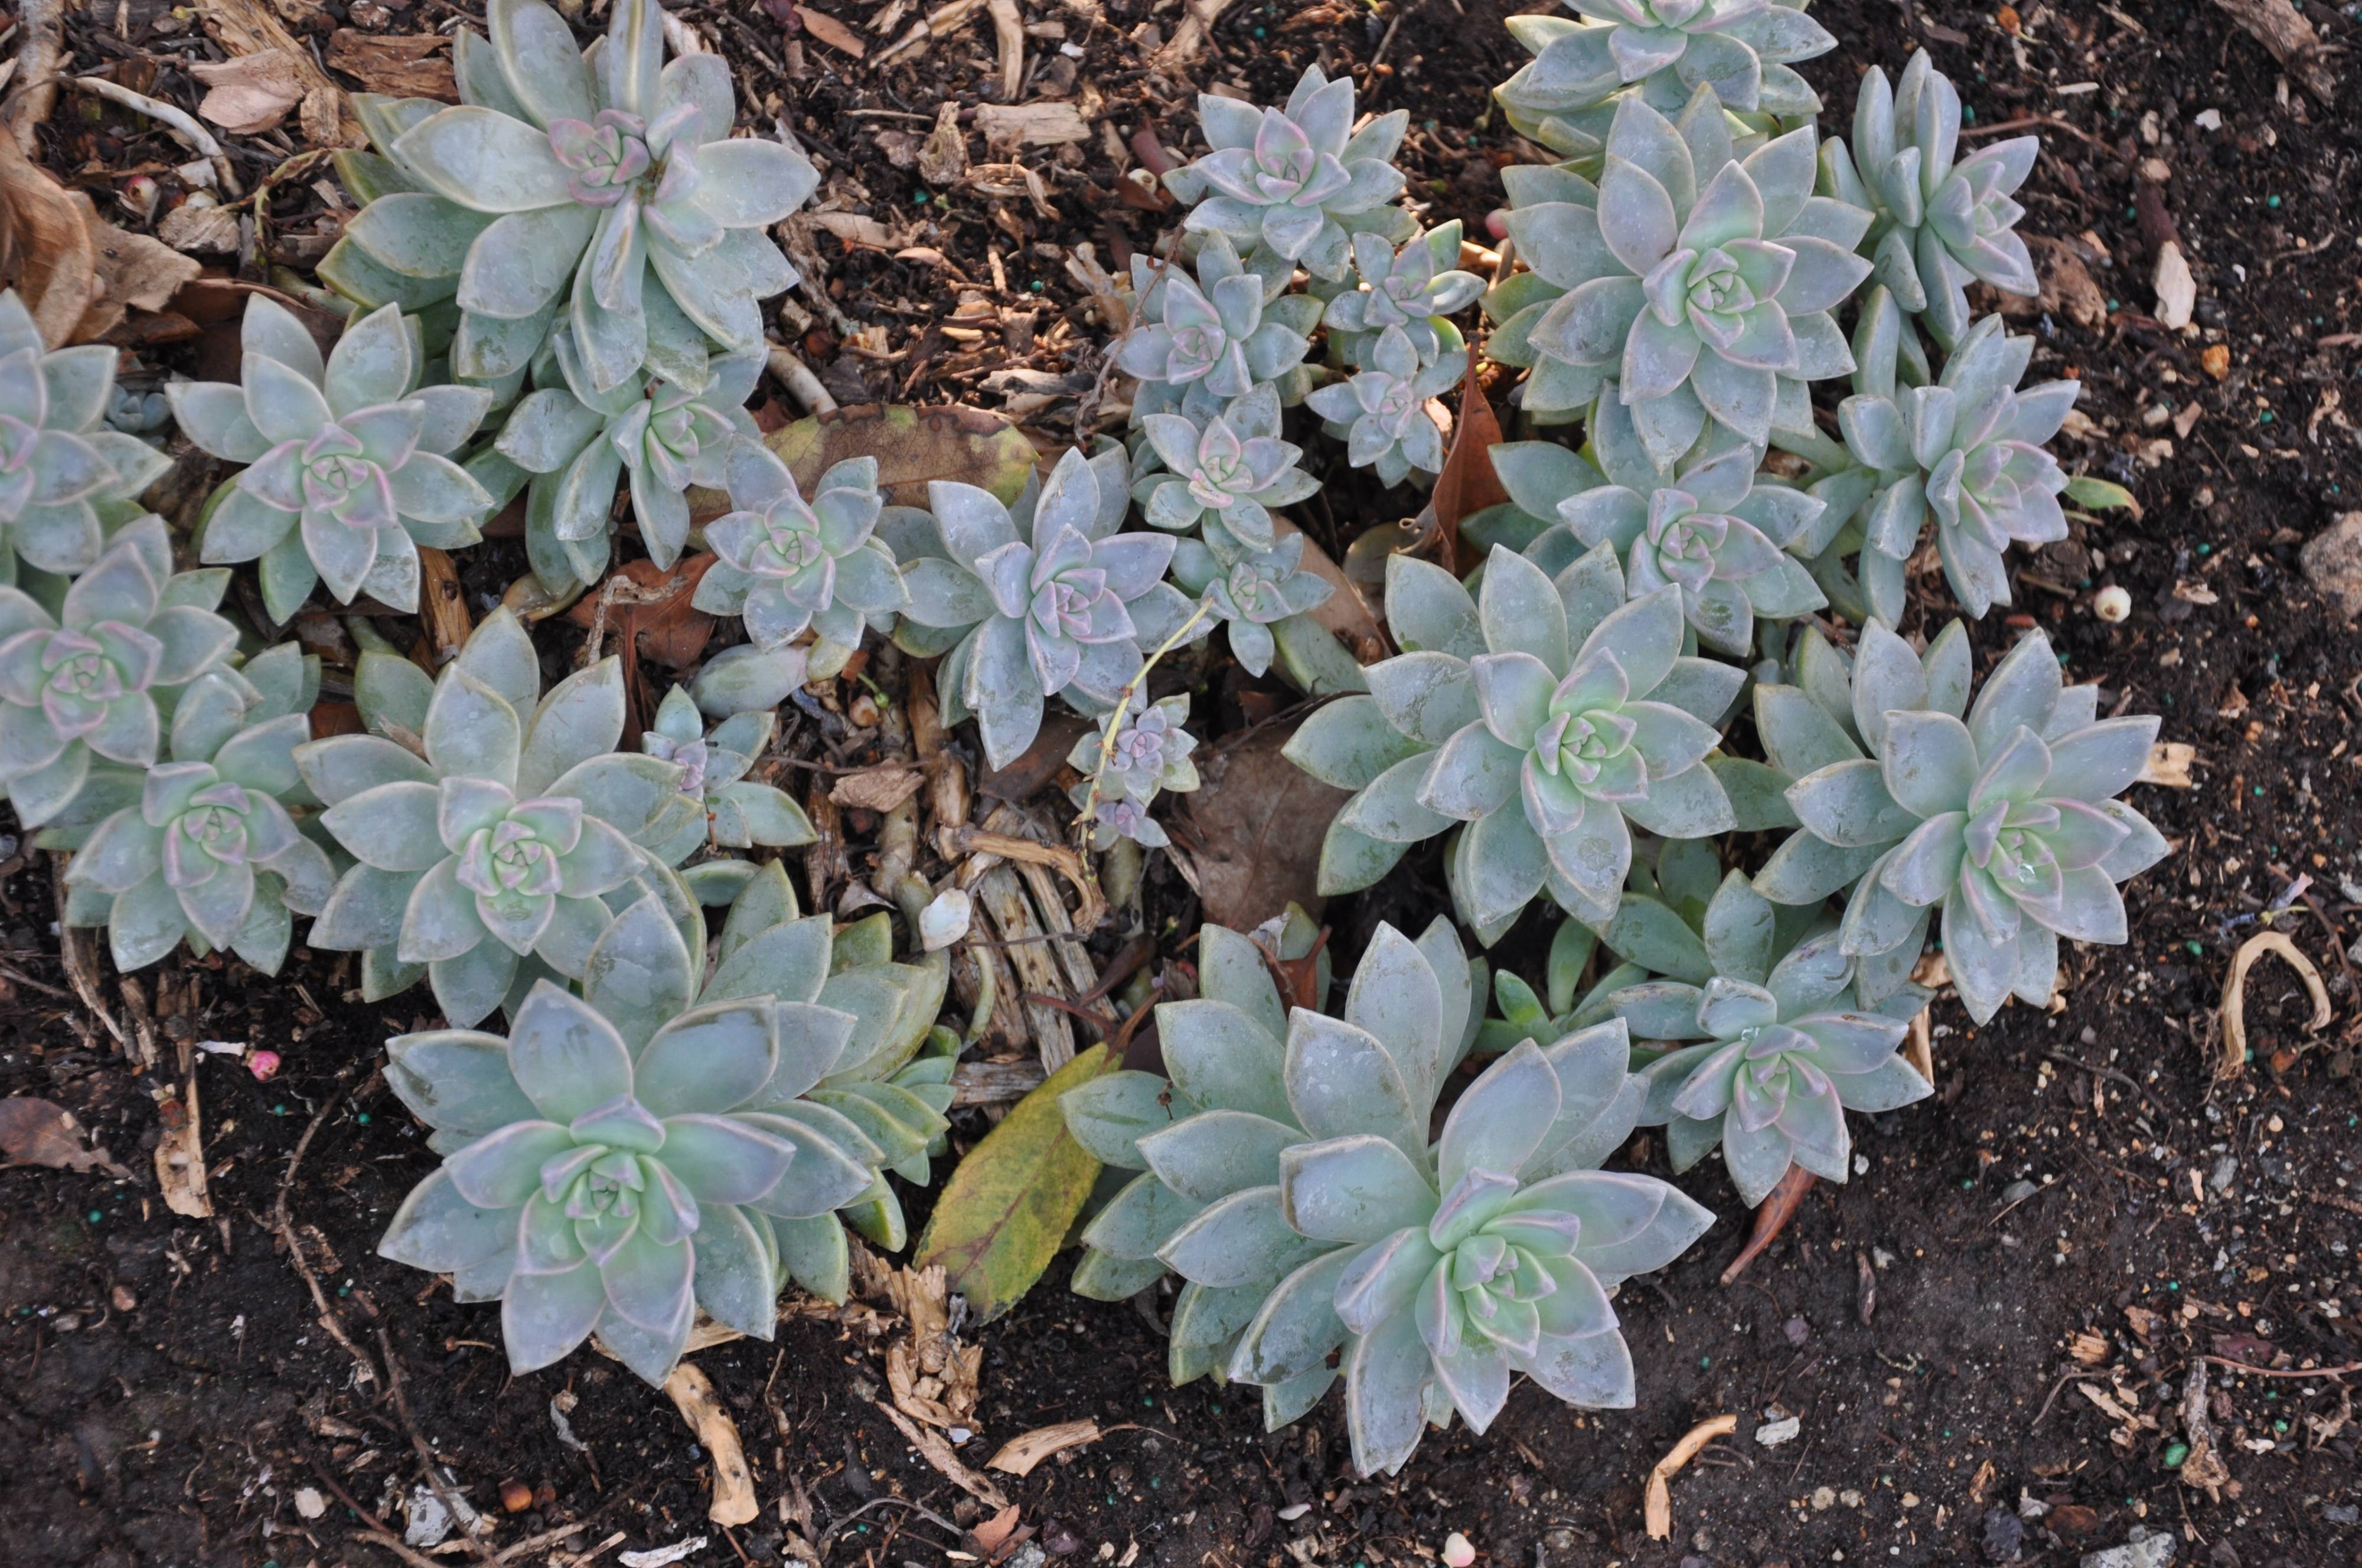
x,y
1019,1454
2234,1060
1659,1503
250,93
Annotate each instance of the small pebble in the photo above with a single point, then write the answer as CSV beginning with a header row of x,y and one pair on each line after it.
x,y
1457,1551
1771,1434
515,1497
2112,604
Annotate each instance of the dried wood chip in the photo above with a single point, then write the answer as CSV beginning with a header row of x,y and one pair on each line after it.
x,y
251,92
879,789
1047,124
1660,1500
2168,764
403,66
733,1484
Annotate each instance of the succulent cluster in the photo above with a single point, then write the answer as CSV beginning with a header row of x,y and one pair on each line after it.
x,y
598,189
1146,753
732,811
96,683
1289,1178
207,848
788,567
66,478
486,819
1539,721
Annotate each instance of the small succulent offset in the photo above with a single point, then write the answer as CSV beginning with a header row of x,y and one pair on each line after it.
x,y
788,567
599,188
1293,180
1214,333
1380,411
1057,602
1250,590
1294,1188
1743,50
1231,470
1785,1050
2008,821
1543,719
1938,224
96,683
577,441
1711,529
486,819
732,811
1966,455
1148,754
208,851
1701,285
1410,287
346,469
64,475
628,1156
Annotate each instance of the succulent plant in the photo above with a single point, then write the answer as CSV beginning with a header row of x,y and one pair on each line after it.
x,y
96,683
2008,821
599,188
1057,602
1410,287
1232,469
1547,716
788,567
578,442
748,679
1966,455
1784,1051
1715,529
347,473
1291,1182
732,811
651,1147
1380,412
1938,223
1699,283
1212,332
1294,180
1664,50
1250,590
64,475
208,851
487,819
1148,754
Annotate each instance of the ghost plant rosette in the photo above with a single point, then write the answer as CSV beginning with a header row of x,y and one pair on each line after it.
x,y
1701,284
787,566
576,442
1939,224
1122,775
1542,720
1380,412
1056,602
208,850
1249,590
492,842
1966,455
732,811
599,188
1711,529
347,470
64,475
1231,469
1290,1181
629,1156
1412,288
1292,181
95,682
1212,335
1784,1050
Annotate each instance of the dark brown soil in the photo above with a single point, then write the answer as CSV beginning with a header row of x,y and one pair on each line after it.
x,y
167,1387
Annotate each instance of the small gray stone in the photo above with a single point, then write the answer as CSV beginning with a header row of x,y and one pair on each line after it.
x,y
2143,1551
2225,1171
2333,560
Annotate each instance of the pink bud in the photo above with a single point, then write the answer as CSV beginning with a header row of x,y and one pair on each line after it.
x,y
263,1065
1457,1552
1496,222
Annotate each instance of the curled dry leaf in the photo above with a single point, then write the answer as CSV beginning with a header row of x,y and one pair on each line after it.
x,y
40,1133
1467,482
1019,1454
831,32
913,446
44,247
2234,995
1659,1499
1256,823
879,789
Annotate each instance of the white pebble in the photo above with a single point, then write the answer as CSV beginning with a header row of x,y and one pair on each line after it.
x,y
2112,603
945,920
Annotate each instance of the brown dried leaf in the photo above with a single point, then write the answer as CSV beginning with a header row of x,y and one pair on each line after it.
x,y
44,247
1257,820
1344,612
1047,124
913,446
1467,482
251,27
404,67
40,1133
879,789
831,32
250,93
1019,1454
